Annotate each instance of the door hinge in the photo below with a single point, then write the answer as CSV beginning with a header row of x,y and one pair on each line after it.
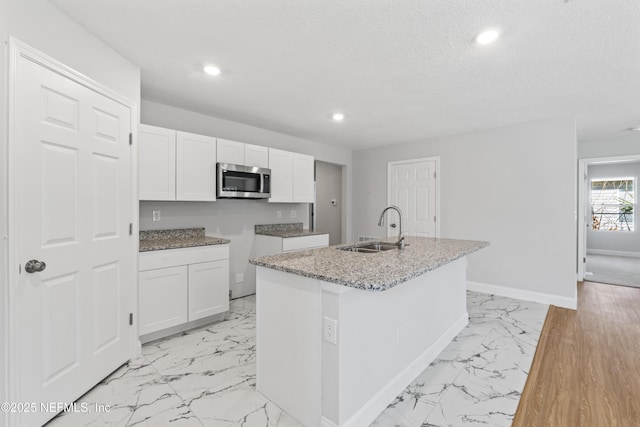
x,y
130,319
435,175
584,259
434,218
19,268
130,138
229,293
130,229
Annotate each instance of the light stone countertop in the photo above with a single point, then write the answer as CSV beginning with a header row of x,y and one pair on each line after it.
x,y
285,230
372,271
157,240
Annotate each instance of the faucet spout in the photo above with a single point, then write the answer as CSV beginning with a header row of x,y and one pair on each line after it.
x,y
400,241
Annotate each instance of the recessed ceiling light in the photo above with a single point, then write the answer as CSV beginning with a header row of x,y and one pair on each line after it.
x,y
338,117
635,129
212,70
487,36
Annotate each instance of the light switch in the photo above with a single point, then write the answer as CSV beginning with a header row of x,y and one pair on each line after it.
x,y
156,215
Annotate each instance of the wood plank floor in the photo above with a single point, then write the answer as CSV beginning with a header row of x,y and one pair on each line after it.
x,y
586,370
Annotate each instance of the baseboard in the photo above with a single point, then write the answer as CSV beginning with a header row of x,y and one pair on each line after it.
x,y
504,291
377,404
613,253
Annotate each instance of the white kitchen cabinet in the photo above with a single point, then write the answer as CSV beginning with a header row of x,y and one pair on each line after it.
x,y
272,245
281,165
175,165
178,286
292,177
195,167
256,155
303,178
230,152
163,298
239,153
208,289
156,163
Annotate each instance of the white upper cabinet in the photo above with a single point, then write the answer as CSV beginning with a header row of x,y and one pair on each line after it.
x,y
174,165
256,155
303,178
281,165
239,153
195,167
230,152
156,163
291,177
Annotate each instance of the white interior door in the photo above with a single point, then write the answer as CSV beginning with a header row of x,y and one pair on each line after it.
x,y
412,187
72,212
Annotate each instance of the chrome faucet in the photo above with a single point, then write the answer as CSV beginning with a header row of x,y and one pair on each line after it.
x,y
400,242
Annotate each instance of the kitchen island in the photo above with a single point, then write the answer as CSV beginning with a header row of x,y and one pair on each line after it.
x,y
341,332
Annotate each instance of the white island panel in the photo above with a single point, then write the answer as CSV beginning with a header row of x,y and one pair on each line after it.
x,y
384,341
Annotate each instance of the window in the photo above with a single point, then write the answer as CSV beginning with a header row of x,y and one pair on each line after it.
x,y
612,204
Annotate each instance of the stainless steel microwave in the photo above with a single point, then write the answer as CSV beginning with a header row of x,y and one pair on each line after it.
x,y
243,182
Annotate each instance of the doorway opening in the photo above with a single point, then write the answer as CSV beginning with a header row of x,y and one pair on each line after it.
x,y
608,242
328,210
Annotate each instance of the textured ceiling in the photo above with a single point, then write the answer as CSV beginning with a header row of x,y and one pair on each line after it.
x,y
399,70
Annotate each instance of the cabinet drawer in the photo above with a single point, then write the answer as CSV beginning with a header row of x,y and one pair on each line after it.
x,y
304,242
174,257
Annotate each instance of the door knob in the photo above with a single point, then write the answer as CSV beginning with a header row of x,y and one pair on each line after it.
x,y
392,226
34,266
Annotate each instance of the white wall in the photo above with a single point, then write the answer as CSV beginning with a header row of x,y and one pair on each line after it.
x,y
232,219
618,241
627,145
42,26
514,187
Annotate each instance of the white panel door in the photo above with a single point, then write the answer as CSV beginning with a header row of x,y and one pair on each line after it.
x,y
156,163
281,165
72,213
303,185
208,289
163,298
412,187
255,155
230,152
195,167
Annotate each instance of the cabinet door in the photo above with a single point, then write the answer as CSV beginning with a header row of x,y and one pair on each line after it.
x,y
255,155
195,167
230,152
303,178
281,165
156,163
208,289
162,297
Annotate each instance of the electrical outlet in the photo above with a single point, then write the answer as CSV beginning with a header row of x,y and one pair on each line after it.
x,y
239,277
330,330
294,214
156,215
279,214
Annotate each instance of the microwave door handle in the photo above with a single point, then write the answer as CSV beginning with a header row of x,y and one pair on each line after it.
x,y
261,183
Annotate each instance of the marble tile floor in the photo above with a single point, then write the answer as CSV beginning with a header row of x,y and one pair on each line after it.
x,y
206,377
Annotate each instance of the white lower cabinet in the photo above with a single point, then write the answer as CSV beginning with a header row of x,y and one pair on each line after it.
x,y
177,286
163,298
208,289
271,245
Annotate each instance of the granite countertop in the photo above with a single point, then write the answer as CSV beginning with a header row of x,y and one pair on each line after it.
x,y
157,240
285,230
372,271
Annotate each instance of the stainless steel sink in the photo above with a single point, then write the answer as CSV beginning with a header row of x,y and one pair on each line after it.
x,y
370,248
